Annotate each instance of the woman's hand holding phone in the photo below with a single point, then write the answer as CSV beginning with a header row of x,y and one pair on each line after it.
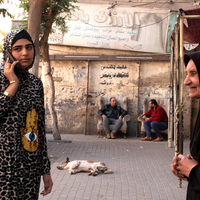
x,y
11,76
9,71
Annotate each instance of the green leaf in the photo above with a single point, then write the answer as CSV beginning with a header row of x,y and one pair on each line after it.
x,y
64,7
4,12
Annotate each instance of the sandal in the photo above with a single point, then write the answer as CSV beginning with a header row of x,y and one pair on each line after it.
x,y
112,136
108,136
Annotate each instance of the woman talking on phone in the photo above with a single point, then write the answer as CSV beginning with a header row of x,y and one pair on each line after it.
x,y
23,150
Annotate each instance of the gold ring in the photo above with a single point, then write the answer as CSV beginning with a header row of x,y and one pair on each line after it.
x,y
8,67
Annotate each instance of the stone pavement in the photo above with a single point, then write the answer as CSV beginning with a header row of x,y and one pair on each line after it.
x,y
141,169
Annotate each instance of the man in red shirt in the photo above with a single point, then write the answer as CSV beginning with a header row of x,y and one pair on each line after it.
x,y
156,118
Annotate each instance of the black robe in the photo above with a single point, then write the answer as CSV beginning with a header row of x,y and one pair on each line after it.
x,y
193,191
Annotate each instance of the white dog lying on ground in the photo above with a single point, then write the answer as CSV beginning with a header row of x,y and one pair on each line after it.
x,y
94,168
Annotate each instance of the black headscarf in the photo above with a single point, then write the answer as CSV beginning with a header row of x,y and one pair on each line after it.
x,y
10,39
22,35
195,56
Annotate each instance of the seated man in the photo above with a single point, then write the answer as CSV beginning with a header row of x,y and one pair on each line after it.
x,y
112,114
158,121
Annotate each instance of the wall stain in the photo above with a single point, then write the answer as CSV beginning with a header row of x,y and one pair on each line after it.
x,y
57,79
149,91
158,80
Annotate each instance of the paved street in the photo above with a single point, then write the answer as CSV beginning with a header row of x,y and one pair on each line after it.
x,y
141,169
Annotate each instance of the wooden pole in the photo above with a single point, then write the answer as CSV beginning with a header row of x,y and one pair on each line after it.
x,y
180,124
177,84
181,70
191,16
171,118
176,93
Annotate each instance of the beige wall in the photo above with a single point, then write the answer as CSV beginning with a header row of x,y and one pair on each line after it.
x,y
136,80
70,90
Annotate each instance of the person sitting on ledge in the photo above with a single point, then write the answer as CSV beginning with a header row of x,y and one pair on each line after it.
x,y
156,118
112,114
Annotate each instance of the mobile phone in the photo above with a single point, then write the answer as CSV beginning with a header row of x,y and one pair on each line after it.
x,y
11,59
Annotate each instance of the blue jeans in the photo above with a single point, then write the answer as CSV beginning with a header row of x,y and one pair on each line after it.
x,y
156,126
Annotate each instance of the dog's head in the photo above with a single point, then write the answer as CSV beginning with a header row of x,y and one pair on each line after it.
x,y
64,164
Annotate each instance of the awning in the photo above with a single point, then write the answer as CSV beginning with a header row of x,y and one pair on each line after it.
x,y
191,31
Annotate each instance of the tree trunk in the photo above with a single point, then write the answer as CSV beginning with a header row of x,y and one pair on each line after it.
x,y
35,13
48,79
34,69
34,20
49,86
49,90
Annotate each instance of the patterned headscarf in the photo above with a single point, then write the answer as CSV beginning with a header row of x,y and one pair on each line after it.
x,y
9,40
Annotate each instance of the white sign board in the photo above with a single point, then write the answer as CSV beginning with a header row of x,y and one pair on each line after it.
x,y
124,28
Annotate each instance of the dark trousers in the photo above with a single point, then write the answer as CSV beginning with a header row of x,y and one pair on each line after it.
x,y
156,126
108,121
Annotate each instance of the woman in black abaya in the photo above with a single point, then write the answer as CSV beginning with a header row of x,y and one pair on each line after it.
x,y
188,167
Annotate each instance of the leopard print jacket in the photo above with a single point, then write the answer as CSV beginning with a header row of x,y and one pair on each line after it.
x,y
20,169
